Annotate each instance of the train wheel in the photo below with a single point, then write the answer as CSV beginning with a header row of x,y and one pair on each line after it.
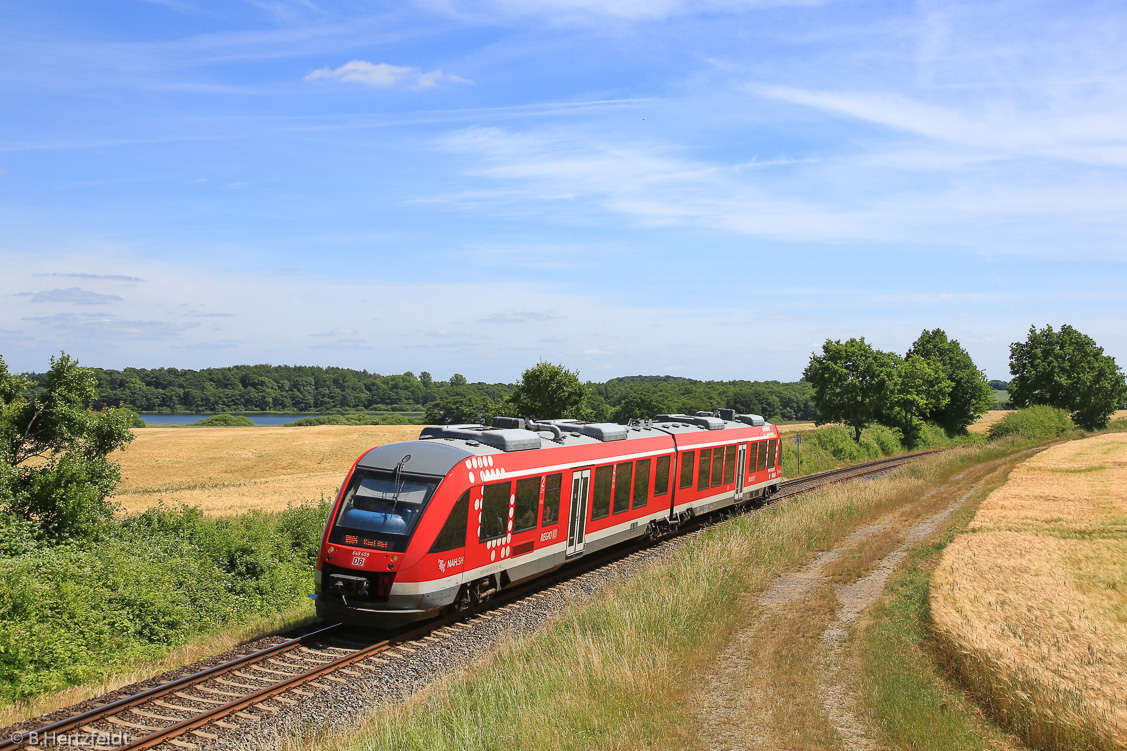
x,y
462,602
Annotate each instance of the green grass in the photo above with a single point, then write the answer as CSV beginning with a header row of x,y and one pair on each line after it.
x,y
909,698
74,612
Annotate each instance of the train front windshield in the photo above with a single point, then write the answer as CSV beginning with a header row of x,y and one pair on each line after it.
x,y
380,511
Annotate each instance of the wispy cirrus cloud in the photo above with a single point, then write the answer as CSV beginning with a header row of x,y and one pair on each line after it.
x,y
521,316
1093,134
384,75
105,277
71,296
100,325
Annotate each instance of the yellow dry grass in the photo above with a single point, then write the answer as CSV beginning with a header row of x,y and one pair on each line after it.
x,y
233,470
1031,606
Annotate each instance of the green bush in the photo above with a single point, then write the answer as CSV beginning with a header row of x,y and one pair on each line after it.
x,y
889,441
225,420
837,441
17,535
1038,422
73,612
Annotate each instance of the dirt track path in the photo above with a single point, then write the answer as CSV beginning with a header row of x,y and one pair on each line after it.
x,y
785,681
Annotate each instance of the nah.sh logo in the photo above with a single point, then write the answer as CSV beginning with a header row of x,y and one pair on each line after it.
x,y
441,565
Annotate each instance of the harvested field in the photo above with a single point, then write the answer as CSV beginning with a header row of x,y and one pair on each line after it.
x,y
1031,605
233,470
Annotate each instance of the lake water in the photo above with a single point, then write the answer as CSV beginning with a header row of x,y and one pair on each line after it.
x,y
186,419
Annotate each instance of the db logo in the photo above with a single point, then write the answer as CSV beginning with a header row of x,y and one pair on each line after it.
x,y
357,561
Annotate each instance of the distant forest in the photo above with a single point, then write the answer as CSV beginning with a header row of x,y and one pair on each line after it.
x,y
289,388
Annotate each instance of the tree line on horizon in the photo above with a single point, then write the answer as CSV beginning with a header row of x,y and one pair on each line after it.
x,y
316,389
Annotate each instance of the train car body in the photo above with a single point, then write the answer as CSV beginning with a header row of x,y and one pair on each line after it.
x,y
447,520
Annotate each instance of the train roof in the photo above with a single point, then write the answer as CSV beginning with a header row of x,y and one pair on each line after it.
x,y
441,447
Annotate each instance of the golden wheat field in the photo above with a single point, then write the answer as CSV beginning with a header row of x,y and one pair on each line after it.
x,y
230,470
1031,603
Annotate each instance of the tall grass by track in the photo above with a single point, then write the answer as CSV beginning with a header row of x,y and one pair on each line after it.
x,y
617,672
832,446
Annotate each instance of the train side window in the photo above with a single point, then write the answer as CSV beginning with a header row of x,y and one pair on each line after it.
x,y
661,476
687,469
453,534
527,504
600,503
771,454
551,500
752,457
494,511
730,464
641,483
704,469
762,456
717,465
622,477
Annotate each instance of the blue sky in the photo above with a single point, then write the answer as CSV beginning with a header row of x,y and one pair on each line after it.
x,y
707,189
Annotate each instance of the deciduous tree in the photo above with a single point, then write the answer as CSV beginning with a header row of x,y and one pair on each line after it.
x,y
969,395
54,469
919,389
1066,369
852,382
549,392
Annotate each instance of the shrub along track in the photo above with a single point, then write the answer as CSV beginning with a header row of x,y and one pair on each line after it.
x,y
327,677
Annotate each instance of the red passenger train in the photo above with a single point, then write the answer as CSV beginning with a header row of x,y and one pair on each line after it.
x,y
446,521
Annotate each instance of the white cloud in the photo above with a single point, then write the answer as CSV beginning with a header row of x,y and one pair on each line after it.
x,y
384,75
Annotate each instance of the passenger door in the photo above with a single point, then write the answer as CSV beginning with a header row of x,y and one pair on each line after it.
x,y
741,471
577,519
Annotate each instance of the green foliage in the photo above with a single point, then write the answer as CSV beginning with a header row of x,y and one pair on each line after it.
x,y
135,419
17,535
1066,369
225,420
288,389
72,612
549,392
54,469
967,397
460,410
919,389
640,405
852,381
1039,423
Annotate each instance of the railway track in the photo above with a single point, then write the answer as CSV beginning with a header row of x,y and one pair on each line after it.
x,y
196,710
